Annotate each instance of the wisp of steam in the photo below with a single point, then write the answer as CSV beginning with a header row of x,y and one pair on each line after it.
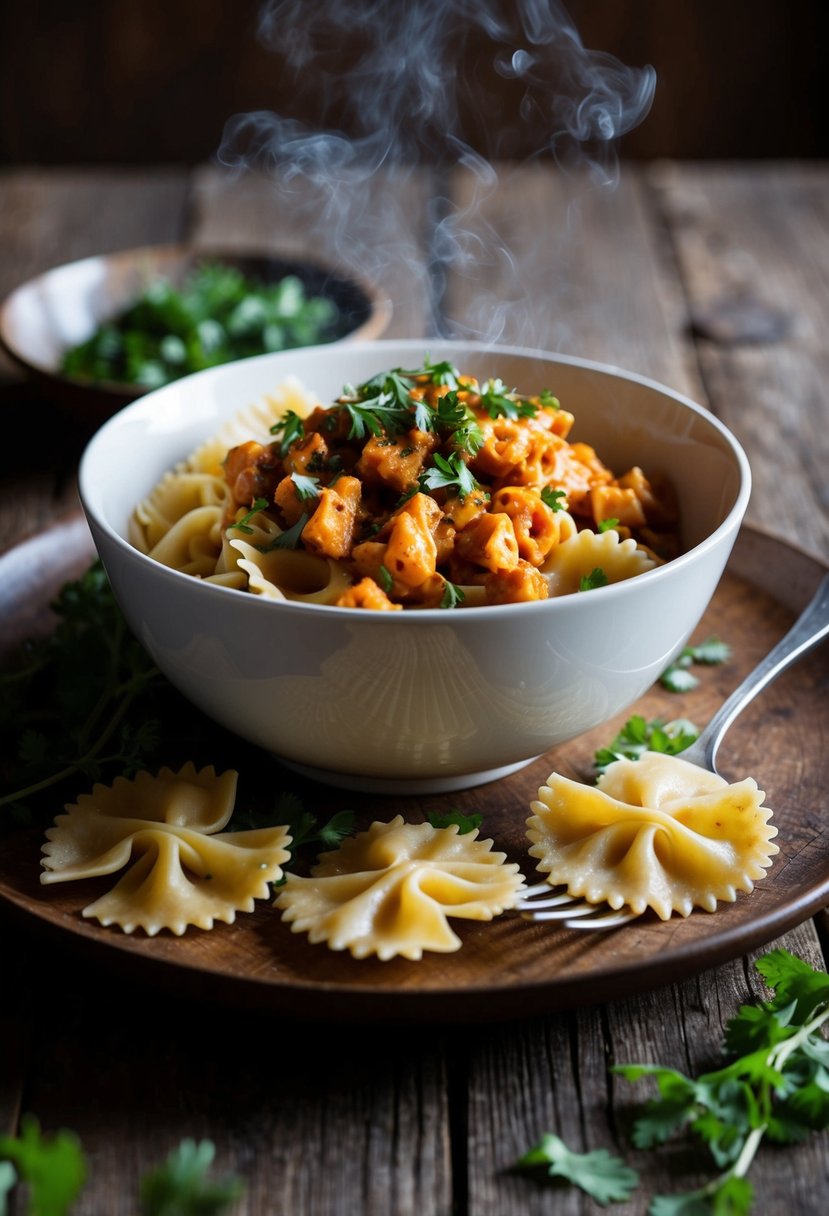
x,y
404,102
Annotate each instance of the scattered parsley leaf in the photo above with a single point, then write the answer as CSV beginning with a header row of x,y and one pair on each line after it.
x,y
53,1166
599,1174
465,823
607,525
181,1186
548,401
677,678
596,578
289,429
243,524
291,538
385,579
638,736
449,473
556,500
453,595
498,402
305,487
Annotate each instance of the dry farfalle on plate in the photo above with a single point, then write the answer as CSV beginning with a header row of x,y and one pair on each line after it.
x,y
184,870
657,832
388,891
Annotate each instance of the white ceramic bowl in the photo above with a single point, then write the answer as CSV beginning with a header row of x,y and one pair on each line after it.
x,y
429,700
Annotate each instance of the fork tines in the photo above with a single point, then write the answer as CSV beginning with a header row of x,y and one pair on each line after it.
x,y
572,912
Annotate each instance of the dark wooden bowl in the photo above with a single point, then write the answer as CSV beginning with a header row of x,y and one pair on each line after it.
x,y
64,306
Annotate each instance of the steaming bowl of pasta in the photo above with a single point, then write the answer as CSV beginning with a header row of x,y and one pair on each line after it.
x,y
413,567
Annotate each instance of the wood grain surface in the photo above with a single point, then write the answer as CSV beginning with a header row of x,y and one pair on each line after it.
x,y
430,1119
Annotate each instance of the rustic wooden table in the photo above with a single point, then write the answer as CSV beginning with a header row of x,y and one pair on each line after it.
x,y
711,279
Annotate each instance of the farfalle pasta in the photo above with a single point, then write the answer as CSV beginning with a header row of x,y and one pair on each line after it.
x,y
657,832
183,869
389,891
421,488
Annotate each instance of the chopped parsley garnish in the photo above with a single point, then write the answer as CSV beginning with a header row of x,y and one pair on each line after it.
x,y
453,595
500,403
289,429
556,500
449,473
638,736
305,487
376,415
596,578
243,524
607,525
289,539
677,677
548,401
455,420
385,579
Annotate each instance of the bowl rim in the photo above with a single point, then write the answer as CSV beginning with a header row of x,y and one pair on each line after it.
x,y
484,612
378,319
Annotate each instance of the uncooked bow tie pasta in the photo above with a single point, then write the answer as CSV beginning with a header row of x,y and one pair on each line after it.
x,y
657,832
185,870
389,890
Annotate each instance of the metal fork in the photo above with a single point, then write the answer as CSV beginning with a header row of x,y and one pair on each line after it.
x,y
545,903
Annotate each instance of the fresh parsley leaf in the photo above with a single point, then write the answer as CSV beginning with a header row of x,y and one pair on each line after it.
x,y
305,487
638,736
339,826
607,525
677,678
449,473
596,578
181,1186
385,579
465,823
53,1166
556,500
455,420
548,401
498,402
291,538
599,1174
453,595
243,524
289,429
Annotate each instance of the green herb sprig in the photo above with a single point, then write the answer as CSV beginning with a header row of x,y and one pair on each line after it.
x,y
66,701
638,736
775,1086
677,677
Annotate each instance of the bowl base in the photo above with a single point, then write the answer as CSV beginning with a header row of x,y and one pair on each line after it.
x,y
403,785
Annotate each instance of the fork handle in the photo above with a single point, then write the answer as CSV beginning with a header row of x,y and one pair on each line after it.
x,y
811,628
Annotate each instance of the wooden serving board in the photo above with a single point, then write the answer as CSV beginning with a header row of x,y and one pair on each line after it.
x,y
507,968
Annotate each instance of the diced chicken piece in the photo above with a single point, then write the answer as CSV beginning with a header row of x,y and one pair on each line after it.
x,y
516,586
330,530
367,594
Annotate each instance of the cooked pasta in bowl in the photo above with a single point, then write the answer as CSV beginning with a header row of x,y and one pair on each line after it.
x,y
409,568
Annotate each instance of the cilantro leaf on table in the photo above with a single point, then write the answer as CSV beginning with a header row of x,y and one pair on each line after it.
x,y
599,1174
677,678
465,823
53,1166
181,1186
638,736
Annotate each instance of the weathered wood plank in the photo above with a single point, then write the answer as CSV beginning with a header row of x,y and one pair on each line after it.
x,y
313,1120
378,231
541,259
753,249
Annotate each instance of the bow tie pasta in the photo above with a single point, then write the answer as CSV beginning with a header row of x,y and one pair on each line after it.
x,y
389,890
657,832
184,871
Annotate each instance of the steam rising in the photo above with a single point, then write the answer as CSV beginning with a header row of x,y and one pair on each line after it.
x,y
420,75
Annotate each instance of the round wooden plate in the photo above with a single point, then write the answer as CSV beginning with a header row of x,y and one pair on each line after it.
x,y
508,968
